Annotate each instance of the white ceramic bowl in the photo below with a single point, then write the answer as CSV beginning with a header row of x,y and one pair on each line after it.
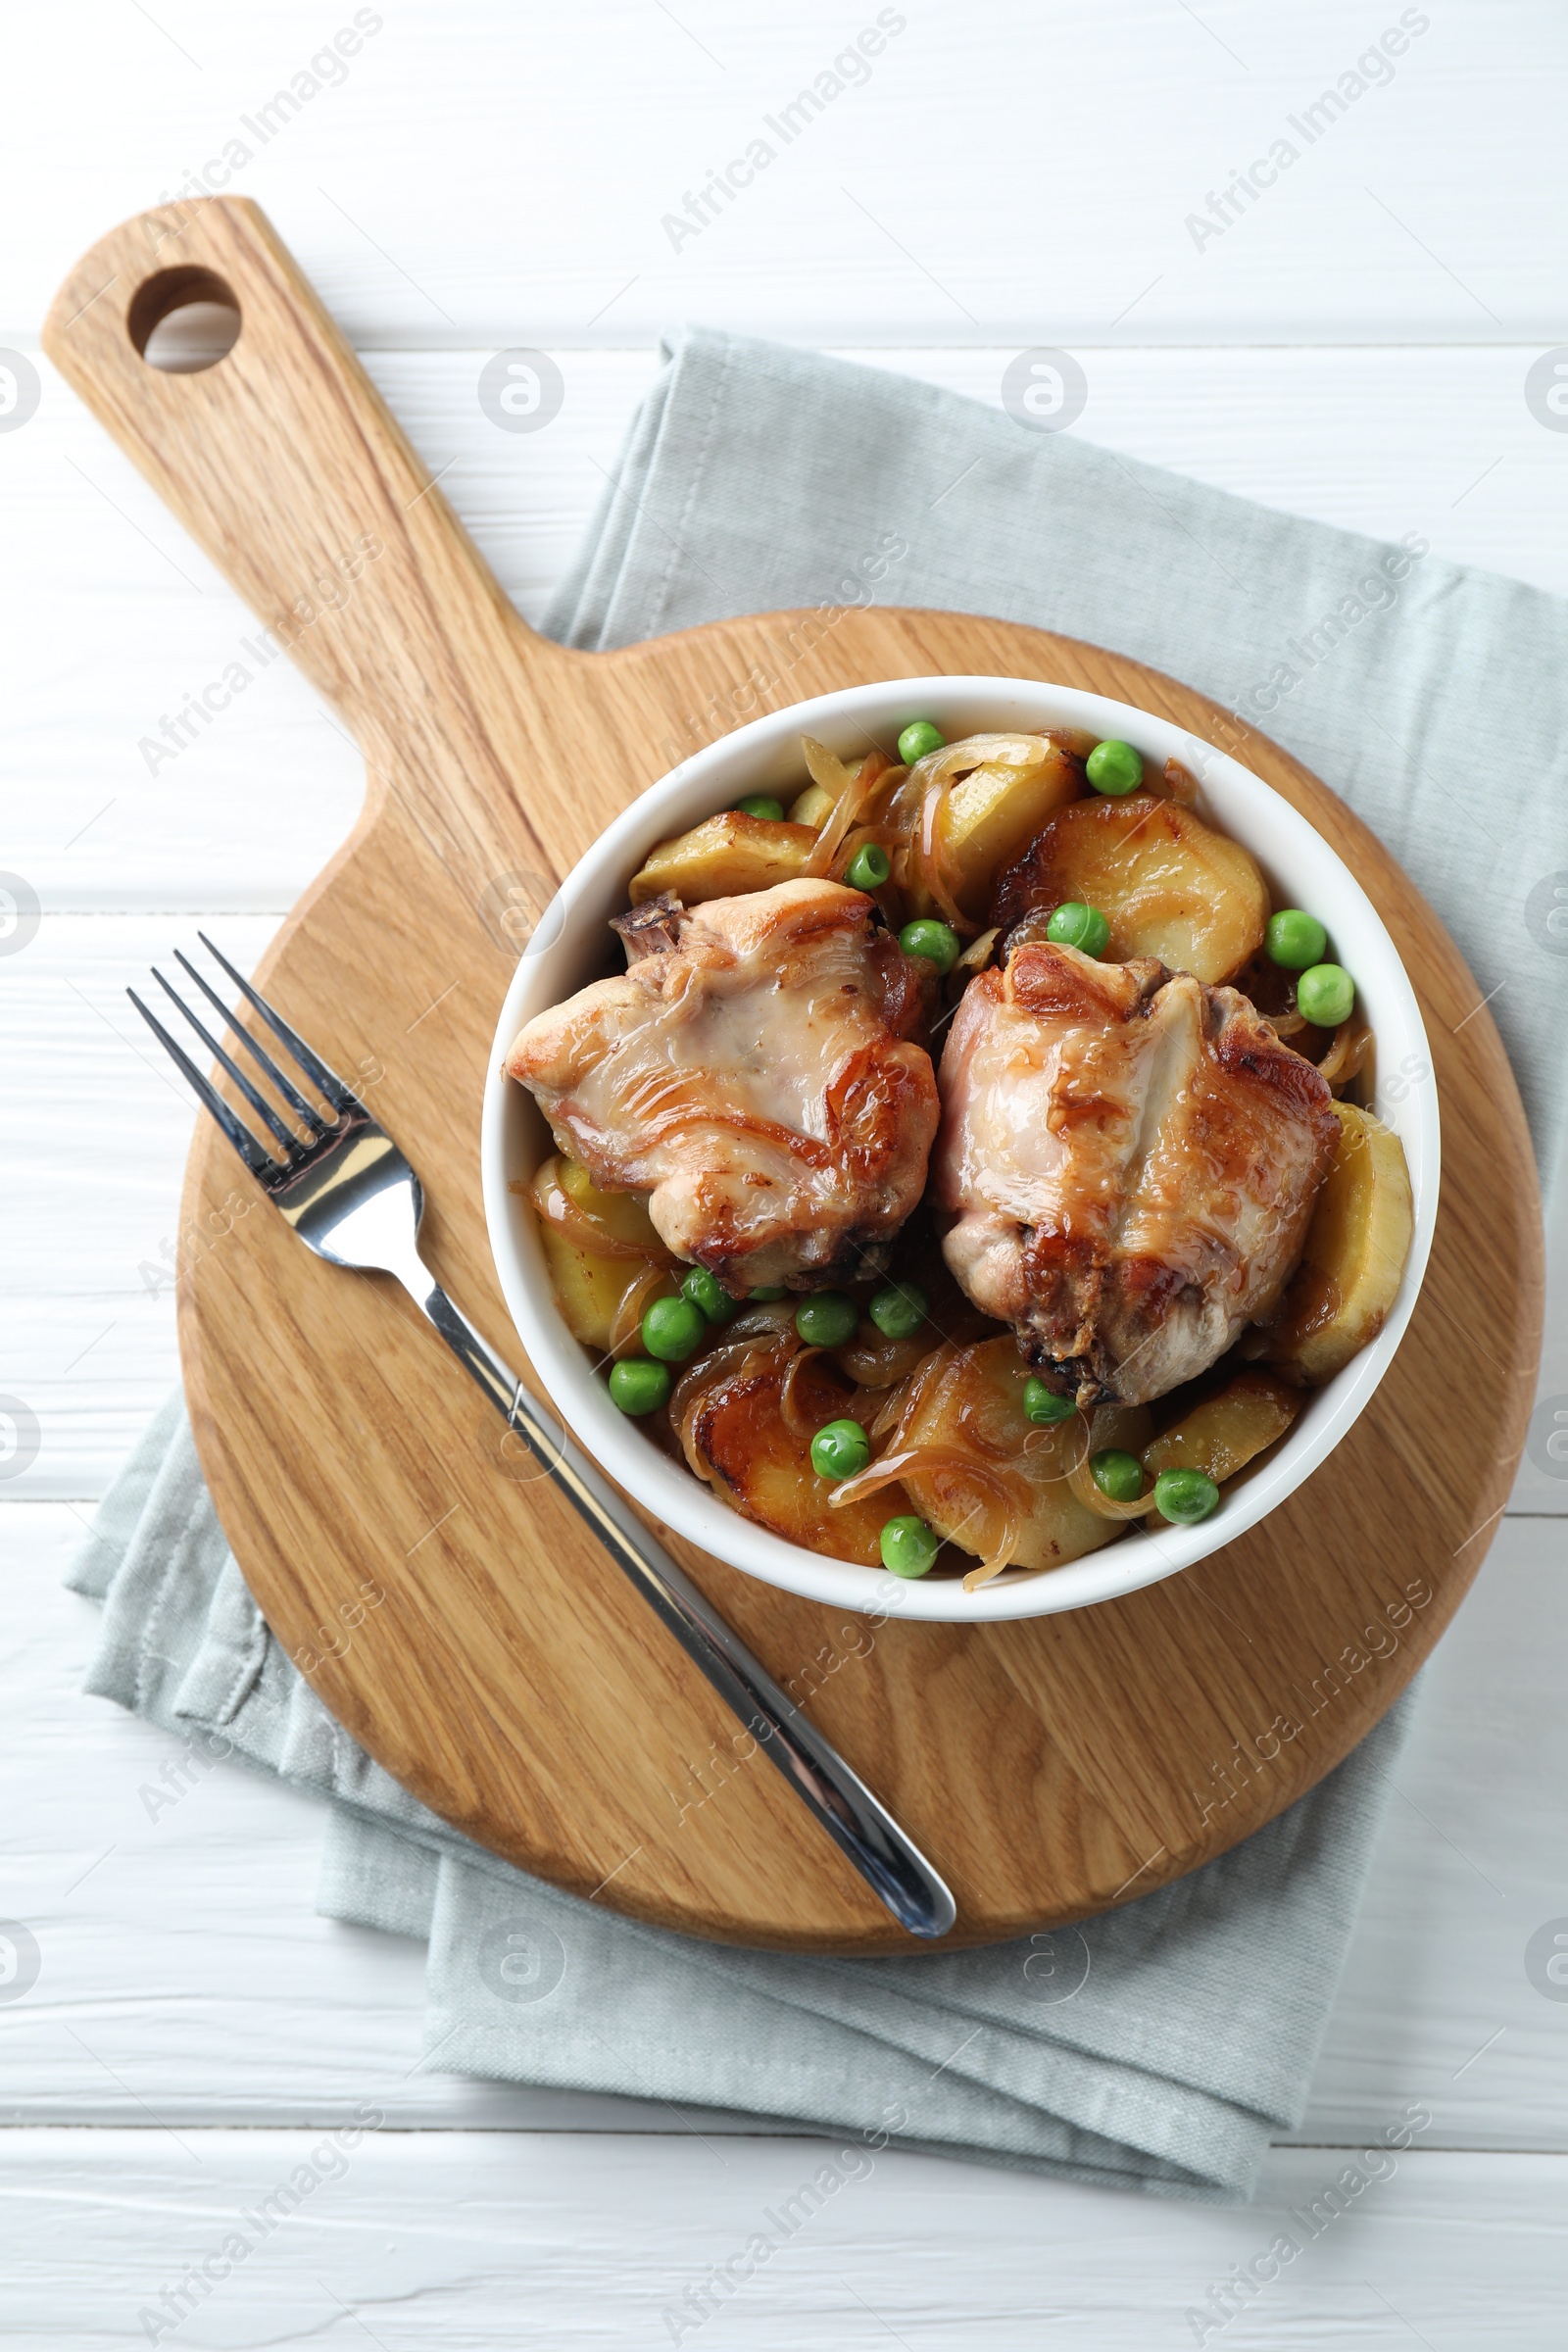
x,y
569,948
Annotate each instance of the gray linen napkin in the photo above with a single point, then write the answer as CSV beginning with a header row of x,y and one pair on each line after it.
x,y
1160,2046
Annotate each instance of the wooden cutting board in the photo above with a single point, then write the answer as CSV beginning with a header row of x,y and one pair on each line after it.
x,y
448,1608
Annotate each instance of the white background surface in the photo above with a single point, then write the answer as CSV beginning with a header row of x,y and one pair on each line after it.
x,y
1014,172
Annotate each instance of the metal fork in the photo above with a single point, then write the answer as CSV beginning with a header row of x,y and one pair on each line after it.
x,y
352,1196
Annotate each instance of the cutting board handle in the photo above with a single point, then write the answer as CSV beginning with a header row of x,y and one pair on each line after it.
x,y
285,466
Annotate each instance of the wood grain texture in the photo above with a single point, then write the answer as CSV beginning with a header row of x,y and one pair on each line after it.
x,y
508,1678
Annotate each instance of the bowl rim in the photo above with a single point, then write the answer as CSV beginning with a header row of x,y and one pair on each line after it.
x,y
680,798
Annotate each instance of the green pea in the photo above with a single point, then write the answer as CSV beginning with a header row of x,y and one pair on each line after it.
x,y
1075,925
937,941
761,803
639,1386
869,868
766,1298
1294,940
1114,768
706,1291
1325,995
909,1546
672,1328
839,1451
1118,1476
918,737
1184,1496
898,1309
827,1320
1043,1404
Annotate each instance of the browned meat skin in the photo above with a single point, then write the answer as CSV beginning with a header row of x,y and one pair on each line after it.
x,y
754,1070
1134,1158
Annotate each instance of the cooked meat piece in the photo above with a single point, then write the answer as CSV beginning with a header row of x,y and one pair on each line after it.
x,y
649,929
1133,1157
755,1070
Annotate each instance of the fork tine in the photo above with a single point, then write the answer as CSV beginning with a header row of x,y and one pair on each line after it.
x,y
263,1108
263,1062
259,1162
342,1097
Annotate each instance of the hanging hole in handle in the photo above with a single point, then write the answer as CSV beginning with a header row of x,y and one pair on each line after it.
x,y
182,320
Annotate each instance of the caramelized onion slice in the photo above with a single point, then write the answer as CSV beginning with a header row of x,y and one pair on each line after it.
x,y
1174,783
1004,1490
626,1331
920,1461
976,956
1001,1558
860,790
789,1410
1346,1056
913,1392
1081,1479
873,1360
948,1462
580,1225
825,769
933,864
768,1318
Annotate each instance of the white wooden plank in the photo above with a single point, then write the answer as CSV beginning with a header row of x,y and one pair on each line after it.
x,y
1023,172
479,2240
1437,2002
96,1131
184,1965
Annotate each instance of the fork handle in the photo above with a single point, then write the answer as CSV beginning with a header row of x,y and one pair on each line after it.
x,y
859,1824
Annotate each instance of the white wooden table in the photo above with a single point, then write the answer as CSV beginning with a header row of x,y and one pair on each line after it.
x,y
1351,343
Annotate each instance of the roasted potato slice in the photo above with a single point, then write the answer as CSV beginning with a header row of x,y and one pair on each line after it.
x,y
1014,783
749,1438
814,808
1223,1433
624,1215
588,1289
596,1244
998,810
1357,1244
1166,883
725,857
993,1481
